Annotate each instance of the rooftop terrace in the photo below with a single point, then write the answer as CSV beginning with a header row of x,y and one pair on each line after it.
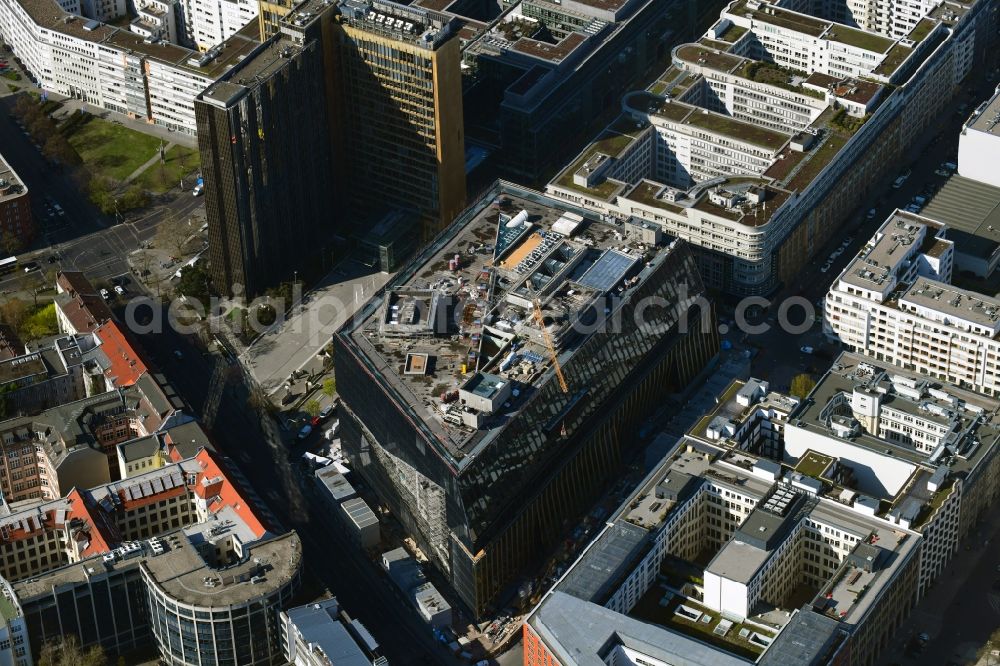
x,y
11,185
971,420
487,273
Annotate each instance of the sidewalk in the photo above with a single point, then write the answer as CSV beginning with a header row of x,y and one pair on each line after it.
x,y
148,163
940,600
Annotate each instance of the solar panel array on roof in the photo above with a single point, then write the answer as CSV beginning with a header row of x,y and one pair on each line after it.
x,y
147,488
608,270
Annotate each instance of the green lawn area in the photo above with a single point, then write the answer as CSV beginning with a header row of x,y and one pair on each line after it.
x,y
612,145
41,323
180,162
111,150
893,59
13,76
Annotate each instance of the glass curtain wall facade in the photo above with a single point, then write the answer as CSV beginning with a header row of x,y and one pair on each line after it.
x,y
483,521
248,633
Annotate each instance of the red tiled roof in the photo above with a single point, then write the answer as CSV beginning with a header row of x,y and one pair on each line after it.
x,y
99,542
126,365
229,495
86,310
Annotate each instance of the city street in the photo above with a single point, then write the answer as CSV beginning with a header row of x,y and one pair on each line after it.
x,y
780,357
961,610
47,183
215,390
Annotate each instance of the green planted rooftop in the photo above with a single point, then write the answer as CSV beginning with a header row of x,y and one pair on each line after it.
x,y
868,41
813,464
697,54
7,609
819,158
733,33
737,129
921,30
645,193
611,144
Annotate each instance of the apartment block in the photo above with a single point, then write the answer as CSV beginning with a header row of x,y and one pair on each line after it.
x,y
896,303
919,451
177,559
822,522
321,634
539,73
155,20
179,437
66,368
115,69
757,140
500,442
75,443
17,223
787,555
79,307
208,24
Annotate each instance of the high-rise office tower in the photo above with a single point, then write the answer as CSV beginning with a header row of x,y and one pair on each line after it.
x,y
263,134
270,14
487,412
400,125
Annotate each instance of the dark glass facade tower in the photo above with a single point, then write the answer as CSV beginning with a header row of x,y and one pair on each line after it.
x,y
483,514
263,135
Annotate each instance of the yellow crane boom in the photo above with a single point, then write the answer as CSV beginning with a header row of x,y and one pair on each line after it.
x,y
552,349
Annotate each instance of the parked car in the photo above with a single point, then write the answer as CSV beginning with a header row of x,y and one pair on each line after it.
x,y
871,214
305,431
105,295
120,290
198,189
178,354
30,267
825,267
806,350
326,411
898,183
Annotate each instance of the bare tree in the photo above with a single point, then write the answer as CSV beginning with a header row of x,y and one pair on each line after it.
x,y
68,652
173,234
14,312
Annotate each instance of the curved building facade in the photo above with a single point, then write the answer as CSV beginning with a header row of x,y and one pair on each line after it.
x,y
204,625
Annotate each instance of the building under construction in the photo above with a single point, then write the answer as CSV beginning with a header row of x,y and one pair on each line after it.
x,y
490,391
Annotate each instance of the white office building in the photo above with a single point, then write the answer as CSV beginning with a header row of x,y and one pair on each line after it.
x,y
896,303
761,136
979,143
110,68
210,22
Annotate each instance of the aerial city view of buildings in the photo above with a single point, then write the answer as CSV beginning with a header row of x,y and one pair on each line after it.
x,y
579,332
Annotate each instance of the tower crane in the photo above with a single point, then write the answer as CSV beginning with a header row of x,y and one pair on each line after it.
x,y
551,347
